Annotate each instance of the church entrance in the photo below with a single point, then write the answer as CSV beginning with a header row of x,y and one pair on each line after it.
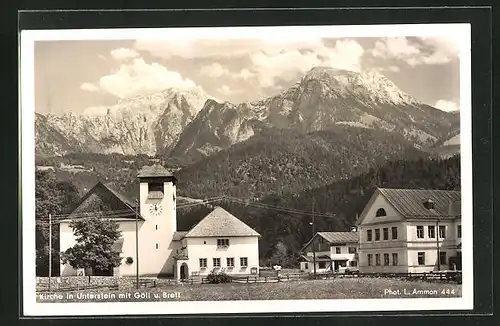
x,y
184,271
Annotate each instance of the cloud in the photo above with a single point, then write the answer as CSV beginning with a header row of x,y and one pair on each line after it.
x,y
224,89
203,48
394,68
122,54
417,50
446,105
215,70
89,87
271,57
346,54
139,77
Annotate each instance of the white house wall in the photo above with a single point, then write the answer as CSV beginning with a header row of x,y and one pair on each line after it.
x,y
207,248
398,246
67,240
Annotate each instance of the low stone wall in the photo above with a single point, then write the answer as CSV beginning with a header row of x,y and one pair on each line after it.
x,y
66,282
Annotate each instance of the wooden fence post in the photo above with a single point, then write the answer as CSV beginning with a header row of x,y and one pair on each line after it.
x,y
248,279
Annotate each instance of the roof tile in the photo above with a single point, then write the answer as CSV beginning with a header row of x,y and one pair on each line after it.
x,y
410,202
155,170
340,237
220,223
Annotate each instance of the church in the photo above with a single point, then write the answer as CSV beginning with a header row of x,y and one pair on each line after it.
x,y
220,242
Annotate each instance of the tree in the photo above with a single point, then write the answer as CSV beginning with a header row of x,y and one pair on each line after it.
x,y
52,196
280,255
95,237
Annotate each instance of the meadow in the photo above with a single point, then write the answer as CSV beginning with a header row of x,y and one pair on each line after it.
x,y
337,288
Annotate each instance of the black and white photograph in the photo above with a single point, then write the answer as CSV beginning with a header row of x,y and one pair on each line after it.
x,y
292,169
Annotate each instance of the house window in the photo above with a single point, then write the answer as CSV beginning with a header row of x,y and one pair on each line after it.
x,y
394,259
353,263
394,231
157,226
442,231
369,235
377,234
377,259
420,231
321,264
370,259
421,258
243,261
337,250
306,266
459,231
230,262
216,262
442,258
156,246
386,233
203,263
386,259
380,212
431,231
352,250
222,242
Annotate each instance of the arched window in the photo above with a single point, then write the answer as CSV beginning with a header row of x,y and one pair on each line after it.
x,y
380,212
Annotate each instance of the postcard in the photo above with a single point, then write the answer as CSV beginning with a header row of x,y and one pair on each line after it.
x,y
246,170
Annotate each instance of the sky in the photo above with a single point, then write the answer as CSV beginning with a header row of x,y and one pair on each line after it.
x,y
74,75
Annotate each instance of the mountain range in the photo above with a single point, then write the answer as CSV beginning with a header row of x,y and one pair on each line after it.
x,y
188,124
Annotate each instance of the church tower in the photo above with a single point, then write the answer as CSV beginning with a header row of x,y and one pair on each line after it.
x,y
158,208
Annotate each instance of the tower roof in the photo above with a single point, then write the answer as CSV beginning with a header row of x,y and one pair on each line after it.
x,y
156,170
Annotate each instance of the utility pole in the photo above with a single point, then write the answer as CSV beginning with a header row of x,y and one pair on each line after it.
x,y
50,249
437,246
137,243
314,246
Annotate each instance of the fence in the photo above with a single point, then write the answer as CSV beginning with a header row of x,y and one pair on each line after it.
x,y
112,283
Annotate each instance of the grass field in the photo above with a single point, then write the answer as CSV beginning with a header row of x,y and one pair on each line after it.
x,y
339,288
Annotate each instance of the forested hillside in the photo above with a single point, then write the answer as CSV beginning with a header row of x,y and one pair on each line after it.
x,y
282,161
336,205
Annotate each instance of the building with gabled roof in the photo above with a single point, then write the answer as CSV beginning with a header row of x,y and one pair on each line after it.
x,y
219,242
330,251
410,230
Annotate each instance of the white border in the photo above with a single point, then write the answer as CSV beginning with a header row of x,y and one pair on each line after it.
x,y
32,308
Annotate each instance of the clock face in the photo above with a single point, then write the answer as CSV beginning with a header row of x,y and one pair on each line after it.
x,y
155,209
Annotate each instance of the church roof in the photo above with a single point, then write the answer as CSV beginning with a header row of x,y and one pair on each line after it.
x,y
115,204
155,170
220,223
410,202
122,197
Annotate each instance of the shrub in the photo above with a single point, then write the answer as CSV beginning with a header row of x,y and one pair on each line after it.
x,y
216,278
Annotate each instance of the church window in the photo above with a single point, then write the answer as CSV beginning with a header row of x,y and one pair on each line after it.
x,y
155,190
155,186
